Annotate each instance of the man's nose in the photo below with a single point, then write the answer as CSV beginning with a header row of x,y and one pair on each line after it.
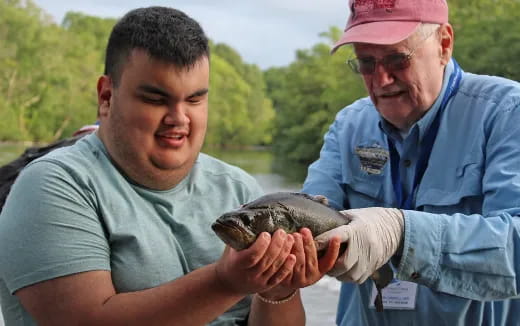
x,y
177,115
382,76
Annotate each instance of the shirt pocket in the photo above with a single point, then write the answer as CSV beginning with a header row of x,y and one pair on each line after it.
x,y
453,189
364,190
365,171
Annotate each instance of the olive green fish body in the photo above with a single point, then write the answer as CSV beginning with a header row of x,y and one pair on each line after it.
x,y
284,210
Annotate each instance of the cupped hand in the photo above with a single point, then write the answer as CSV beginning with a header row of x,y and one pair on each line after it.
x,y
260,267
308,269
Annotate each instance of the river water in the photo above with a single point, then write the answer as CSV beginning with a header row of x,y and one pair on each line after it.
x,y
320,300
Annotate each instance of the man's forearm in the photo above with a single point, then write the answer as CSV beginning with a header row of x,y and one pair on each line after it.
x,y
195,299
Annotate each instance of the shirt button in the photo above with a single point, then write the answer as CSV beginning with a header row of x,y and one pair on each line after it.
x,y
415,275
407,163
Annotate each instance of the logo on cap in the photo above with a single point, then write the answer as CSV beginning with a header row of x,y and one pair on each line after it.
x,y
365,6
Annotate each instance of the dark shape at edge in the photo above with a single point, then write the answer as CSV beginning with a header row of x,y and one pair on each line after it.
x,y
10,171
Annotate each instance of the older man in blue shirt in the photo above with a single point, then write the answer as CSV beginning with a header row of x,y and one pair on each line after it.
x,y
428,168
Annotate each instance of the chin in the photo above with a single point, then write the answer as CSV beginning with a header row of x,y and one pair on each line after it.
x,y
167,163
174,162
398,121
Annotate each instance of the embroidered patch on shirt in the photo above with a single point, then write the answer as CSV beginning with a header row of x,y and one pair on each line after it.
x,y
372,159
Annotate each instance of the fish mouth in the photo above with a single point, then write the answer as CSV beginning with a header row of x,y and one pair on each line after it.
x,y
233,234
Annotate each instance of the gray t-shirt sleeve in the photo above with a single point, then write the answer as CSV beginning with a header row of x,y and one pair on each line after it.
x,y
49,228
254,190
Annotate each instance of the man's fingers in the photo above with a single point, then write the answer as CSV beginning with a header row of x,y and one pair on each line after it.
x,y
251,256
273,251
339,266
326,263
358,273
281,258
345,277
283,272
322,199
299,253
311,263
341,232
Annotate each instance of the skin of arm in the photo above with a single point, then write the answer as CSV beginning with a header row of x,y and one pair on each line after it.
x,y
89,298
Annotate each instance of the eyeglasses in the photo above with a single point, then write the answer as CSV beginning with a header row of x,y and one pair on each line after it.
x,y
392,62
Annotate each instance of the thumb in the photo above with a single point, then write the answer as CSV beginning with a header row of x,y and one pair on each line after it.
x,y
341,232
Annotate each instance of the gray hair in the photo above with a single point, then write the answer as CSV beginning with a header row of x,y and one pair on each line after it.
x,y
425,29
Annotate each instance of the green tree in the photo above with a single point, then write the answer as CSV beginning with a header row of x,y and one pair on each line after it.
x,y
239,90
487,38
48,74
228,117
307,95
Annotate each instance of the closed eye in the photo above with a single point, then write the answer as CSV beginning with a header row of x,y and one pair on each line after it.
x,y
194,100
153,100
198,96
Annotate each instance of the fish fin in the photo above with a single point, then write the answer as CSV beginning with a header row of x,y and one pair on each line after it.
x,y
378,301
381,277
321,199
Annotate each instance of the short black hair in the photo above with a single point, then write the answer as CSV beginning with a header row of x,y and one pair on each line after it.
x,y
164,33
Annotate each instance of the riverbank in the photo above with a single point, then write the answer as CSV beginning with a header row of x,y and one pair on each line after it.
x,y
9,151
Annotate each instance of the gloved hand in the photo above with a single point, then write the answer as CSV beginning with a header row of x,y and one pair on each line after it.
x,y
373,236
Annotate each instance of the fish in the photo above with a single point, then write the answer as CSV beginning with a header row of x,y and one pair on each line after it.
x,y
289,211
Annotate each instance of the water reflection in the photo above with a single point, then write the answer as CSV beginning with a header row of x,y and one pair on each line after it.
x,y
9,152
290,170
273,174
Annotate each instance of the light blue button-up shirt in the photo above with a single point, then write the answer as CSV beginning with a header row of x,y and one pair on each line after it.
x,y
462,240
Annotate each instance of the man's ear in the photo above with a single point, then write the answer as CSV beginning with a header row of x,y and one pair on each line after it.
x,y
447,39
104,92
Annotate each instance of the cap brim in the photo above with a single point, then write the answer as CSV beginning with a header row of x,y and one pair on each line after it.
x,y
384,32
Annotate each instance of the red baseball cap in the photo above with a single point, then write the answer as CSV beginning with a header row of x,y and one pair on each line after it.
x,y
389,21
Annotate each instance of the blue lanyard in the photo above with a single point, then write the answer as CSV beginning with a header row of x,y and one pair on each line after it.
x,y
403,201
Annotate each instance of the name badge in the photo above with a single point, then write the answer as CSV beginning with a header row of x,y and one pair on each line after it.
x,y
397,295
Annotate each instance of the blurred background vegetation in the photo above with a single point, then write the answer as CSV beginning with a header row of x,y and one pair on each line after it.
x,y
48,74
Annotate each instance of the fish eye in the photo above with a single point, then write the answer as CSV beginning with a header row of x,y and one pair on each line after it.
x,y
246,219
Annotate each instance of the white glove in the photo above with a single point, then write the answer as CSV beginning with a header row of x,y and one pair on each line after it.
x,y
373,236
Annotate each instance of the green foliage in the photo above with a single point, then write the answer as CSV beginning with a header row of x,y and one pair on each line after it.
x,y
48,77
487,38
240,113
306,95
48,74
227,104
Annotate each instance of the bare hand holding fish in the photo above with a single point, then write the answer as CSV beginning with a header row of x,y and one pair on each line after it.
x,y
276,265
308,269
258,268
